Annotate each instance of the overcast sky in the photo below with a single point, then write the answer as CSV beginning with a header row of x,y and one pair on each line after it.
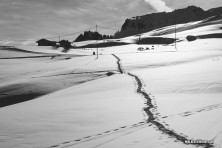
x,y
33,19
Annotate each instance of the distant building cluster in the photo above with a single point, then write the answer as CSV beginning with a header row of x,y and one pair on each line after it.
x,y
87,35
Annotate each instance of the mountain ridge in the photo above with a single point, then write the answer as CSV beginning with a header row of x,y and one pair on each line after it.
x,y
148,22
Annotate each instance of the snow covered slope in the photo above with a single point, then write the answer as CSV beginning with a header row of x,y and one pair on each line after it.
x,y
127,98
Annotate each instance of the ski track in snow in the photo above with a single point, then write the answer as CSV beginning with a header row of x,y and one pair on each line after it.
x,y
199,110
123,130
151,118
151,121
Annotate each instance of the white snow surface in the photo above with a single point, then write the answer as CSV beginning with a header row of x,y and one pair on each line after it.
x,y
81,107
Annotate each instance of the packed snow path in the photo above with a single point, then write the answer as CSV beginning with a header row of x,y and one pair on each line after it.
x,y
151,117
119,64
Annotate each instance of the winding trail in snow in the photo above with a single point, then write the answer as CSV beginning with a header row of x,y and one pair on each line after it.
x,y
152,118
128,129
119,64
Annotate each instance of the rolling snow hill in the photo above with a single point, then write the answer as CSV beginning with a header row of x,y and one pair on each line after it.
x,y
161,97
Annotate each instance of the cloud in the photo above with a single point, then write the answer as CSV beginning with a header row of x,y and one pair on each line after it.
x,y
159,5
5,42
70,12
29,42
9,42
200,3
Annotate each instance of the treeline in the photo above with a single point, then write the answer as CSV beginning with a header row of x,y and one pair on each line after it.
x,y
149,22
88,35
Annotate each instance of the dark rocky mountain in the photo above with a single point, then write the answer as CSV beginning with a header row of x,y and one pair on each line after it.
x,y
215,11
145,23
88,35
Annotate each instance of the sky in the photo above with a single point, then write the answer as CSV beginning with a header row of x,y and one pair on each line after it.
x,y
28,20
